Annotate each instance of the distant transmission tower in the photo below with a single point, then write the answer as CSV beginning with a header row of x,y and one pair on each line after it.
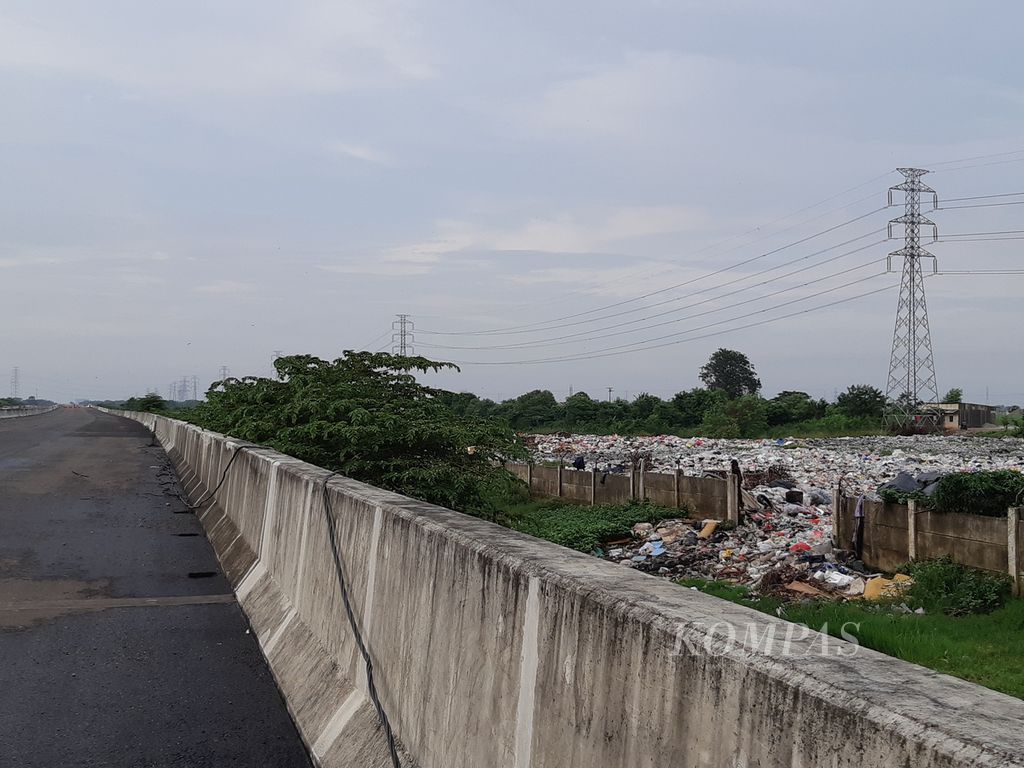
x,y
15,383
403,338
224,372
911,366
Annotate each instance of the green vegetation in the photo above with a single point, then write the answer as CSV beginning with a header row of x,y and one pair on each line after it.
x,y
946,587
979,493
730,372
982,648
582,528
698,411
365,415
968,493
955,395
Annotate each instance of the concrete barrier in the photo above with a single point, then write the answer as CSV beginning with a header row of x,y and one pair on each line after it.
x,y
14,411
491,648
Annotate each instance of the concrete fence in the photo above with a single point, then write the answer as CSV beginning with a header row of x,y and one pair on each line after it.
x,y
13,411
897,533
703,496
491,648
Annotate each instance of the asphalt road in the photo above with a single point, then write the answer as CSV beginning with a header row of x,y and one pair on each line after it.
x,y
120,641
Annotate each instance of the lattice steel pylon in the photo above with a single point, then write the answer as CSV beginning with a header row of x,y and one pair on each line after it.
x,y
911,364
403,338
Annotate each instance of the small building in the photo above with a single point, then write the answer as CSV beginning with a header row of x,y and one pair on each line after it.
x,y
957,416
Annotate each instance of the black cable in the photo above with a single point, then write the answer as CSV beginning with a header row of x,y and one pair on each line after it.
x,y
977,205
342,583
629,348
558,340
210,495
533,327
981,197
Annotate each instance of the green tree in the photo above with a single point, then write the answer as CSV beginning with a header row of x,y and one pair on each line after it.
x,y
533,410
366,416
788,407
861,401
955,395
694,404
731,372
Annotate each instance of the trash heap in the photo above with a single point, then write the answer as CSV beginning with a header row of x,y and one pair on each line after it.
x,y
863,463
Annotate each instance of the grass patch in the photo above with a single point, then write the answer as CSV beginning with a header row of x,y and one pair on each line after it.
x,y
582,528
982,648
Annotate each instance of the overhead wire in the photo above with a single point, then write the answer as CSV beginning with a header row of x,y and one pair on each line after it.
x,y
557,340
537,326
611,353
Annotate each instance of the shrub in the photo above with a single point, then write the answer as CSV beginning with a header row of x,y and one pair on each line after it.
x,y
942,586
979,493
584,528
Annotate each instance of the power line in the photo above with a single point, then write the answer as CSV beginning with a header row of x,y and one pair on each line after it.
x,y
612,351
978,157
977,205
534,326
981,272
595,355
675,299
982,197
369,344
558,340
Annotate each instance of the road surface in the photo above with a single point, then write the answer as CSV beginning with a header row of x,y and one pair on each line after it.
x,y
120,641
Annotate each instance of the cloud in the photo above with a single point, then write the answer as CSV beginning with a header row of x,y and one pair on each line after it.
x,y
662,95
226,287
361,152
234,46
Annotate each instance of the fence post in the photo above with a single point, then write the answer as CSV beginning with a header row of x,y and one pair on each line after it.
x,y
643,485
837,509
732,499
529,476
676,486
912,529
1012,518
559,479
632,483
593,487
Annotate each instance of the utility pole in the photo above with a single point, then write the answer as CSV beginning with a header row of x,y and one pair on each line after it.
x,y
403,338
911,366
15,383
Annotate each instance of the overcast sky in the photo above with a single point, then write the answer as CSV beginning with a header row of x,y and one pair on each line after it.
x,y
187,185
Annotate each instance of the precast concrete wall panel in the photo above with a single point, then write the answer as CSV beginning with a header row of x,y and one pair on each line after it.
x,y
491,648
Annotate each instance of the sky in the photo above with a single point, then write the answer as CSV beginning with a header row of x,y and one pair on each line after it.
x,y
583,195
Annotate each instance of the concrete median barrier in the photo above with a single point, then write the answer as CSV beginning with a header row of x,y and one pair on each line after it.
x,y
492,648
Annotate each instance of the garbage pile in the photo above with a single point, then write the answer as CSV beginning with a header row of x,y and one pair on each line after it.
x,y
785,552
863,463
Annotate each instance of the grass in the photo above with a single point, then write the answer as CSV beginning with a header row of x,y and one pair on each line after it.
x,y
982,648
578,527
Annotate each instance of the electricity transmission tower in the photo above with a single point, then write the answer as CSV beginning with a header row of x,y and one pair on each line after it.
x,y
15,383
911,366
403,338
224,372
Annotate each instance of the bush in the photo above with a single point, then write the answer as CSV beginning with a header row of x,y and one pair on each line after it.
x,y
584,528
979,493
942,586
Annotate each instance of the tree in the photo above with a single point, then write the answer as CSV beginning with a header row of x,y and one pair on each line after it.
x,y
861,401
787,407
366,416
955,395
730,372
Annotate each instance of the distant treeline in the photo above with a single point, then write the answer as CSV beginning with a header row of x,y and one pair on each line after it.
x,y
701,411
